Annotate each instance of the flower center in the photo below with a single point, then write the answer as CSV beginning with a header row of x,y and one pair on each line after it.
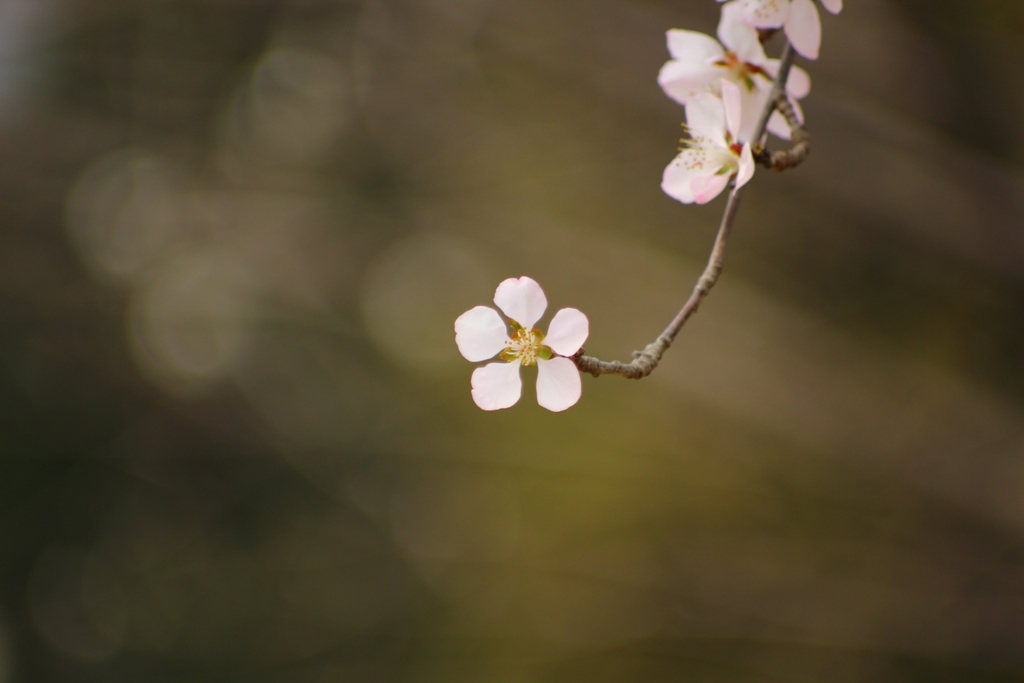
x,y
743,72
525,346
734,64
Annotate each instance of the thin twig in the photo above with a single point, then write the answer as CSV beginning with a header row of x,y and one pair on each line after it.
x,y
645,361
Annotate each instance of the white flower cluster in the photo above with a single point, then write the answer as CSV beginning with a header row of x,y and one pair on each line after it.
x,y
724,85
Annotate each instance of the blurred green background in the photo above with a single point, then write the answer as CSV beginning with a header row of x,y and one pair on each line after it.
x,y
237,439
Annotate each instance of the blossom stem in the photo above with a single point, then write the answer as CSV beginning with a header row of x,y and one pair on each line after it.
x,y
644,362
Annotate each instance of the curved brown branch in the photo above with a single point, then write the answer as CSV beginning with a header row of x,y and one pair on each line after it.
x,y
785,159
645,361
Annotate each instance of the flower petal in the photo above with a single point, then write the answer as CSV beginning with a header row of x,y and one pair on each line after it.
x,y
705,117
683,80
833,6
746,169
803,28
558,384
765,13
521,300
480,333
706,188
778,126
497,385
692,163
798,85
692,46
733,108
739,36
678,177
752,102
567,332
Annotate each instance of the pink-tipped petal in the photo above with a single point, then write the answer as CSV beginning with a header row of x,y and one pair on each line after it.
x,y
692,46
746,169
497,386
679,175
803,28
739,36
567,332
480,333
733,108
833,6
706,188
522,300
558,384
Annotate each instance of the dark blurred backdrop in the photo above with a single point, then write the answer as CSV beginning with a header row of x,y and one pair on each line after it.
x,y
236,438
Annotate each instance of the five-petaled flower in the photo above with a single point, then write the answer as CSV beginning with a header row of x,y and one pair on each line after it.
x,y
799,18
481,333
712,152
699,64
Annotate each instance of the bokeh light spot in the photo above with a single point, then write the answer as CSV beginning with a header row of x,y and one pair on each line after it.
x,y
189,323
413,293
292,109
123,211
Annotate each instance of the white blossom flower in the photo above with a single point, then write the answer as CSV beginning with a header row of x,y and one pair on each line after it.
x,y
711,153
799,18
699,64
481,333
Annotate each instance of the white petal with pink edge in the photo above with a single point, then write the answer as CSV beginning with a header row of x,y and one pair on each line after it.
x,y
798,84
522,300
705,118
733,109
739,36
497,386
765,13
751,103
558,384
692,46
746,168
480,333
682,80
706,188
677,180
567,332
779,127
803,28
833,6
